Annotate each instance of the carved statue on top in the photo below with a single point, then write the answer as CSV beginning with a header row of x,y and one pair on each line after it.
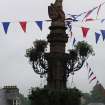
x,y
56,12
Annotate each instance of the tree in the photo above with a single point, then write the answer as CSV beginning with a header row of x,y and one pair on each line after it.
x,y
77,56
98,93
87,98
55,97
37,57
74,60
24,100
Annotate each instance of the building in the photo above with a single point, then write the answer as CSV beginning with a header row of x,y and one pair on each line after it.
x,y
9,95
96,104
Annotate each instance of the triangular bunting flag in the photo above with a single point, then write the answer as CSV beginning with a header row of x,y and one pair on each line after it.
x,y
84,30
89,70
87,65
5,26
103,34
23,25
74,40
102,20
39,24
90,75
68,24
97,37
89,19
92,79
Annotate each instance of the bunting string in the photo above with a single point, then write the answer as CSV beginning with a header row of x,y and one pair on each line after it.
x,y
68,23
74,18
23,25
91,75
85,31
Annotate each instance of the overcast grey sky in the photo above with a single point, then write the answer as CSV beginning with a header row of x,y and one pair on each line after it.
x,y
15,68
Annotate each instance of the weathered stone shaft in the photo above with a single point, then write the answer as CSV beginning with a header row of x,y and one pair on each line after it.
x,y
57,39
56,64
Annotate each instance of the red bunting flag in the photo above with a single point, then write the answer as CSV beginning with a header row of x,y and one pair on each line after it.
x,y
85,31
23,25
89,19
92,79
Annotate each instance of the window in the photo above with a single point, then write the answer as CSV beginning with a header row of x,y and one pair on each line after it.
x,y
16,102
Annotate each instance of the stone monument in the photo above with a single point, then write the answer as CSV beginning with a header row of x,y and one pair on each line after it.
x,y
57,39
57,64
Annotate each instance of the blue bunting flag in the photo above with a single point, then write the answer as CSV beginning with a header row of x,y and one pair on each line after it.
x,y
5,26
97,37
103,34
39,24
102,20
74,40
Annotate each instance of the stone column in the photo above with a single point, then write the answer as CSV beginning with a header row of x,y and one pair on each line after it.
x,y
57,39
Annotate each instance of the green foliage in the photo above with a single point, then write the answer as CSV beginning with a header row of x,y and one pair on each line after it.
x,y
98,94
40,45
55,97
35,52
24,100
84,49
87,97
73,54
